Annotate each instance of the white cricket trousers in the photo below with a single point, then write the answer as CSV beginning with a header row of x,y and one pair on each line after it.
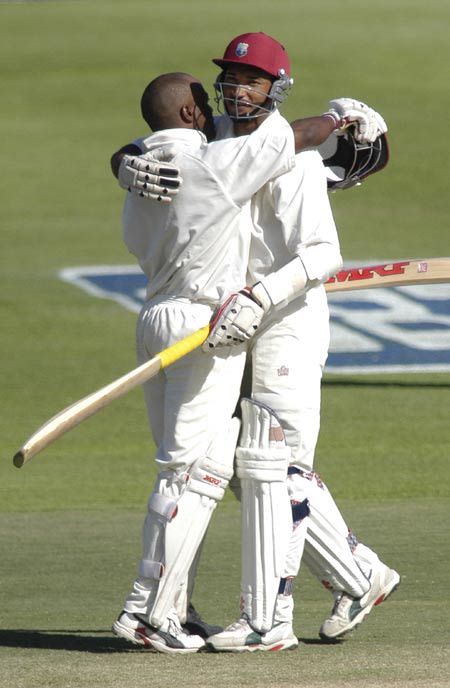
x,y
288,356
191,401
190,404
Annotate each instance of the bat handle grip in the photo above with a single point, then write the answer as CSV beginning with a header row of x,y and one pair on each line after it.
x,y
185,346
18,459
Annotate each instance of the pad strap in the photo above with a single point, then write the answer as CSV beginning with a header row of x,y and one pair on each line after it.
x,y
263,466
151,569
163,506
210,478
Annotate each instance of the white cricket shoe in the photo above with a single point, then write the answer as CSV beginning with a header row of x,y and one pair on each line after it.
x,y
348,612
240,637
169,638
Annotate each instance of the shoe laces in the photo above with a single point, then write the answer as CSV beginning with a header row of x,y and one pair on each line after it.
x,y
343,601
238,625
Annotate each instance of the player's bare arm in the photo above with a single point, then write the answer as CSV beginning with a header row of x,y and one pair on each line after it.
x,y
308,133
160,180
117,157
312,131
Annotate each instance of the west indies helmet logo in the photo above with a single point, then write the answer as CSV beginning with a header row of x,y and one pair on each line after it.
x,y
241,49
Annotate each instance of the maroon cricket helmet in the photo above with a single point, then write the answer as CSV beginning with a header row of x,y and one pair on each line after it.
x,y
256,50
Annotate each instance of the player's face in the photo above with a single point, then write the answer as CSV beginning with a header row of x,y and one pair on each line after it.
x,y
245,87
203,114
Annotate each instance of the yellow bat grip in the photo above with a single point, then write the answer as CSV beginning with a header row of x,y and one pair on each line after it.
x,y
183,347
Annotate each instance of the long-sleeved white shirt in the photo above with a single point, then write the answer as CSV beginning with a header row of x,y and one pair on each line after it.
x,y
197,246
291,216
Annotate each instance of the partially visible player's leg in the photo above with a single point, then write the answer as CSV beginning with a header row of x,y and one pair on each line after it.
x,y
195,448
350,570
349,611
284,607
134,622
190,619
207,481
262,459
330,552
179,512
288,361
327,552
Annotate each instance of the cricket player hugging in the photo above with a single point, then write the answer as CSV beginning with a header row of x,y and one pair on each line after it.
x,y
197,249
193,253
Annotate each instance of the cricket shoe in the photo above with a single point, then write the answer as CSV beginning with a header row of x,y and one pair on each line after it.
x,y
348,612
240,637
195,625
169,638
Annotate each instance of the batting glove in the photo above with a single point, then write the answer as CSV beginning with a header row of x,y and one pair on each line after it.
x,y
369,123
236,319
147,177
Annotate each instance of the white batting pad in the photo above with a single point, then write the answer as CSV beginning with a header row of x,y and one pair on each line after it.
x,y
186,589
183,536
162,506
327,552
261,460
185,532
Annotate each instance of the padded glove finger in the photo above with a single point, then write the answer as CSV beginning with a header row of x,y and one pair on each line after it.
x,y
147,177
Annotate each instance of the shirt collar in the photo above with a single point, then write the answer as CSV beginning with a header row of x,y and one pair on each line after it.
x,y
173,137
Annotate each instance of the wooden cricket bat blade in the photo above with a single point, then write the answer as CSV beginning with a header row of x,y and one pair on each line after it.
x,y
74,414
400,273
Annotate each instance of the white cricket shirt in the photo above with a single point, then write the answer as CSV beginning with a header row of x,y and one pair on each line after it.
x,y
291,216
197,246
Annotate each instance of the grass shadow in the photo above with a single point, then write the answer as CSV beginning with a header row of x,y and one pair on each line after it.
x,y
321,641
69,640
97,642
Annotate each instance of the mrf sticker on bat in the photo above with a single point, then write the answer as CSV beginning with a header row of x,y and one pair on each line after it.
x,y
396,329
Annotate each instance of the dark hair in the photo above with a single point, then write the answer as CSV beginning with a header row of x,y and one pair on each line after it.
x,y
162,98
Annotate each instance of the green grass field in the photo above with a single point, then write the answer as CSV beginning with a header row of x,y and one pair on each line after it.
x,y
73,73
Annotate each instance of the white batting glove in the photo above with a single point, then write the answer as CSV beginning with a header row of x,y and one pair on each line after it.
x,y
235,321
369,123
147,177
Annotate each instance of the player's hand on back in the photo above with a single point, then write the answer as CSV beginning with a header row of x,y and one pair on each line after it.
x,y
369,124
150,178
